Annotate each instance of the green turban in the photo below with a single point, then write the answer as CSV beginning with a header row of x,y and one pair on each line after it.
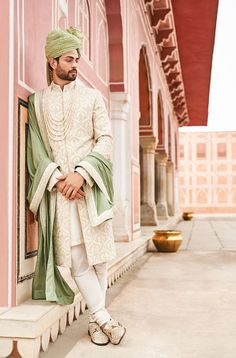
x,y
60,41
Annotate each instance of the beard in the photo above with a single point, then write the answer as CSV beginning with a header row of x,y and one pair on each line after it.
x,y
66,76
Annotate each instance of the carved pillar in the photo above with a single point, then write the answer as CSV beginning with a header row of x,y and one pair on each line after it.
x,y
148,207
161,185
119,104
170,187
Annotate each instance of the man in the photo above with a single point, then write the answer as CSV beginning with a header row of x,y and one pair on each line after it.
x,y
68,155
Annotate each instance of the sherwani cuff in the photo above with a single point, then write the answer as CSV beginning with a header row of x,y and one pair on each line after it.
x,y
85,175
53,180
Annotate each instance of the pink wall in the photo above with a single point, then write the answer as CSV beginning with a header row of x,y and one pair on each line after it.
x,y
4,88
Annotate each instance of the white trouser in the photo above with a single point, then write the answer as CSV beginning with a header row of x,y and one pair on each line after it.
x,y
92,283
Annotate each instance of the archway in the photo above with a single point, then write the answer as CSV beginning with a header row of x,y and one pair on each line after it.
x,y
119,112
116,53
147,143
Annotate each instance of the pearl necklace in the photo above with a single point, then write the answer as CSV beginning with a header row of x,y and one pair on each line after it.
x,y
58,128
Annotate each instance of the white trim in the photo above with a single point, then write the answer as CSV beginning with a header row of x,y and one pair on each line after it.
x,y
18,39
52,3
85,80
94,218
63,7
23,39
24,85
85,175
41,187
21,44
10,146
117,83
96,177
83,55
103,24
102,9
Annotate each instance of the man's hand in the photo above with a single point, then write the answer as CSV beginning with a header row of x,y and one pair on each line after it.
x,y
70,186
60,186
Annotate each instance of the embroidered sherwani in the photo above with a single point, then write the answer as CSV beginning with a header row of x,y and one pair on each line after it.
x,y
81,125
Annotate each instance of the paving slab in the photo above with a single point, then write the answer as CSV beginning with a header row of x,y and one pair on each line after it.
x,y
174,305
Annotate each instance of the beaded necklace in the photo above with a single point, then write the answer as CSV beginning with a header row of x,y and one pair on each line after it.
x,y
58,128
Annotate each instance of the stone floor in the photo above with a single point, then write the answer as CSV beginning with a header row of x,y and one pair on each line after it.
x,y
174,305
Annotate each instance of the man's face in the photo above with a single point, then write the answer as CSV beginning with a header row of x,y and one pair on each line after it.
x,y
66,68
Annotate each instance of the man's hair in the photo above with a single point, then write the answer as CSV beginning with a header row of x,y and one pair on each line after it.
x,y
57,59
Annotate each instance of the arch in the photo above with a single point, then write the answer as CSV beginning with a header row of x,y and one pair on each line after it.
x,y
147,143
201,197
102,53
116,52
145,95
222,197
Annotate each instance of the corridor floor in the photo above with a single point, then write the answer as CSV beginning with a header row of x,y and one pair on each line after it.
x,y
174,305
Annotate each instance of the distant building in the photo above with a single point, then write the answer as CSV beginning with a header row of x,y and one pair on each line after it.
x,y
207,172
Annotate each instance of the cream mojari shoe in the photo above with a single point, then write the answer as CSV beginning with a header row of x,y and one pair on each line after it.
x,y
114,331
97,335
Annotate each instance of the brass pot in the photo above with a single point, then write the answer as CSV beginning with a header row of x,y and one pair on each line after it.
x,y
167,240
187,216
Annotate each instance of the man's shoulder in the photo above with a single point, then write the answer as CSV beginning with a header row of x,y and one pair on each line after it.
x,y
32,96
89,91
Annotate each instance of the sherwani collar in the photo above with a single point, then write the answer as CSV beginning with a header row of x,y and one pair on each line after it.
x,y
67,88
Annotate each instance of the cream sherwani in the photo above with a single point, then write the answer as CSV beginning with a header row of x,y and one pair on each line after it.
x,y
85,128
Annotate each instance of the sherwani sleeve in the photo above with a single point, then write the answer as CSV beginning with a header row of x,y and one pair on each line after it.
x,y
102,128
53,180
85,175
102,134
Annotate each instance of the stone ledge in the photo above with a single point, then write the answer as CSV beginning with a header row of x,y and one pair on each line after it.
x,y
34,324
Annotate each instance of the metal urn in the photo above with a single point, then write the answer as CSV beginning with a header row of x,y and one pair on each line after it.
x,y
167,240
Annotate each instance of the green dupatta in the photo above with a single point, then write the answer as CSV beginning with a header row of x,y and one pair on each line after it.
x,y
99,198
47,282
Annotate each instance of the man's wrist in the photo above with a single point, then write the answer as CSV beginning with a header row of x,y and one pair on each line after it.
x,y
80,176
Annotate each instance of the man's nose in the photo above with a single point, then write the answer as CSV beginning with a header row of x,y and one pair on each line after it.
x,y
75,63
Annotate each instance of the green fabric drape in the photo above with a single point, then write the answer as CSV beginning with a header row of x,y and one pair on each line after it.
x,y
47,282
103,169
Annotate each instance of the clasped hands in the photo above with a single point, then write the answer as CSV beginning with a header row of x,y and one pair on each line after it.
x,y
70,186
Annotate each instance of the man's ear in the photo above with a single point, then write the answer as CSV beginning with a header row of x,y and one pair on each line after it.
x,y
53,63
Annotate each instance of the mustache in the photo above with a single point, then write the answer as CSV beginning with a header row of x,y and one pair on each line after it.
x,y
73,71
